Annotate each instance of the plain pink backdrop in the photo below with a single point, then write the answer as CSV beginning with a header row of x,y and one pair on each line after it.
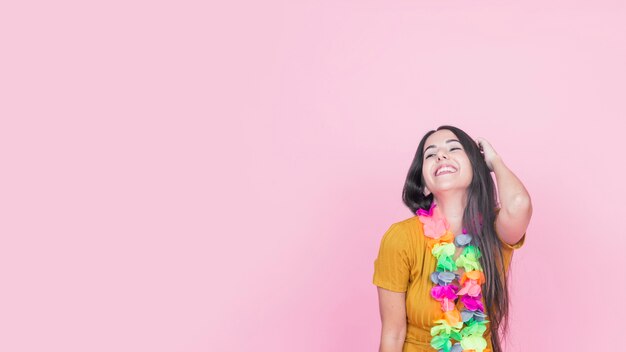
x,y
184,176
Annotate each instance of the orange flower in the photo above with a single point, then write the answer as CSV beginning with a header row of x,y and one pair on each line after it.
x,y
473,275
453,317
448,237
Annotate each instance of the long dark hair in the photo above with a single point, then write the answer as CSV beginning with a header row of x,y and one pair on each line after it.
x,y
478,218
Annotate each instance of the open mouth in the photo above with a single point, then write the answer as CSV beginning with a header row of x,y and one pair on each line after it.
x,y
446,169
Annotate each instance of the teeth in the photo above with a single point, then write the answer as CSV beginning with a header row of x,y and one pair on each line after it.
x,y
445,168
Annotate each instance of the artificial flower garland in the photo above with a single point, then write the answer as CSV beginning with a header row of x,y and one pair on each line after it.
x,y
468,326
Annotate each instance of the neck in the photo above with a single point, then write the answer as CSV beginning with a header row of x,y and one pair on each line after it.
x,y
452,206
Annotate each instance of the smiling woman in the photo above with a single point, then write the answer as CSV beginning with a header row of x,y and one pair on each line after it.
x,y
442,274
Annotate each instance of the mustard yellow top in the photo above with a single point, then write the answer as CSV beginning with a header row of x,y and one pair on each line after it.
x,y
404,264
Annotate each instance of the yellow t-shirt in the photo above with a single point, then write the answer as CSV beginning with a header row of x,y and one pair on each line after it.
x,y
404,264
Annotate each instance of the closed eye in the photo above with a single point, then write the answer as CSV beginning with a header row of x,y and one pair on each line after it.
x,y
451,149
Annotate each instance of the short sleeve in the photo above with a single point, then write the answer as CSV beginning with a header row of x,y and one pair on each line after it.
x,y
517,245
392,266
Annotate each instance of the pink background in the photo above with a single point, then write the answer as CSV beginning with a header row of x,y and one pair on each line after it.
x,y
178,176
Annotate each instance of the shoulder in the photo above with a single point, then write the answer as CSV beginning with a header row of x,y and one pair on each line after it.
x,y
408,232
412,224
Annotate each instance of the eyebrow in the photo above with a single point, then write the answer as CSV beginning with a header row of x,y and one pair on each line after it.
x,y
434,146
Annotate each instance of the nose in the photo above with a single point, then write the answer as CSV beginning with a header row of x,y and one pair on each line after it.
x,y
442,154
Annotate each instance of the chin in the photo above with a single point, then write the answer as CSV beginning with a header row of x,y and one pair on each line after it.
x,y
451,188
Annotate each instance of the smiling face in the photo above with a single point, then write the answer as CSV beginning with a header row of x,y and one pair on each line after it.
x,y
446,166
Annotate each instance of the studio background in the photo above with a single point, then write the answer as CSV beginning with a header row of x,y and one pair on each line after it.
x,y
191,176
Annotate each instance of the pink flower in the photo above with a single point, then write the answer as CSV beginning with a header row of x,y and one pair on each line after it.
x,y
428,212
473,303
447,305
445,291
434,227
470,288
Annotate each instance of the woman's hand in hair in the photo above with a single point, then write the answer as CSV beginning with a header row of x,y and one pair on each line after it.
x,y
488,152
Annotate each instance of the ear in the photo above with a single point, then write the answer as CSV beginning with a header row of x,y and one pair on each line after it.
x,y
426,191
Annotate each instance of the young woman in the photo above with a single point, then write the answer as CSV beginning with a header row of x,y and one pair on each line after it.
x,y
442,274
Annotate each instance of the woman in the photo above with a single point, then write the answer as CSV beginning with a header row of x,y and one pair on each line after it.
x,y
442,274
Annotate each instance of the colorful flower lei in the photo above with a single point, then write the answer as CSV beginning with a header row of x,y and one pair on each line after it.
x,y
468,326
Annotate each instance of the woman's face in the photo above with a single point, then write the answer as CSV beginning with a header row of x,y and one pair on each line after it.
x,y
446,166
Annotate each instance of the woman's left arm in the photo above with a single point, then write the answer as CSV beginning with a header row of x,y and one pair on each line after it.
x,y
515,204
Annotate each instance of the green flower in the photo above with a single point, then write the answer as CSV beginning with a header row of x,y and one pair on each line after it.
x,y
469,259
446,249
474,342
446,263
474,327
